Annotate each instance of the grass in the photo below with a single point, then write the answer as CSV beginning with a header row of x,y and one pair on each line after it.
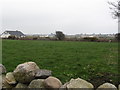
x,y
92,61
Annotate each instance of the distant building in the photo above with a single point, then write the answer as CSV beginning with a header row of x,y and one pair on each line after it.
x,y
17,34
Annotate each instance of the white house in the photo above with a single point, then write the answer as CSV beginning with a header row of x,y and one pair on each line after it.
x,y
17,34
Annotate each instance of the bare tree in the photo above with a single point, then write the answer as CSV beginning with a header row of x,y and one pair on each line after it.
x,y
115,7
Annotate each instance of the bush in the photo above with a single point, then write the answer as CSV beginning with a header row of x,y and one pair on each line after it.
x,y
90,38
117,36
60,35
11,37
35,38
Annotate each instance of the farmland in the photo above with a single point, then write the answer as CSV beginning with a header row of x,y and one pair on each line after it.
x,y
96,62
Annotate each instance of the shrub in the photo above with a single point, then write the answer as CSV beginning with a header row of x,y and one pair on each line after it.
x,y
11,37
90,38
60,35
35,38
117,36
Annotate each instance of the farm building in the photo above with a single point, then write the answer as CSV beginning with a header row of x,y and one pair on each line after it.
x,y
17,34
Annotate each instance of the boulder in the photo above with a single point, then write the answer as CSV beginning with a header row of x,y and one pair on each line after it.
x,y
52,82
2,69
20,85
37,83
10,78
4,82
79,83
43,74
107,86
64,87
25,73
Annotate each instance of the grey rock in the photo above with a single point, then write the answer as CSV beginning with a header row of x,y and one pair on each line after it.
x,y
37,83
20,85
4,82
10,78
107,86
79,83
52,82
43,74
64,87
2,69
25,73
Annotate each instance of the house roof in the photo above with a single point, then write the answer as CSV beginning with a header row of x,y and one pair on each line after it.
x,y
17,33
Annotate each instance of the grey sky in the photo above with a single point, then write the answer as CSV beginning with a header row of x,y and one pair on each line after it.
x,y
47,16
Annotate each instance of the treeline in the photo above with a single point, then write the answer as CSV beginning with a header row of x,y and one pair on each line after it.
x,y
60,36
91,39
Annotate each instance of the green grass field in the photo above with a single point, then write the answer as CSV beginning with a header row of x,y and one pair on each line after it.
x,y
93,61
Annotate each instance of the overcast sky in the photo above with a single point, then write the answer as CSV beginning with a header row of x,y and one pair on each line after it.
x,y
48,16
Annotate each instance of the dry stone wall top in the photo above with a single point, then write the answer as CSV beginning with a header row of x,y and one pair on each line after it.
x,y
29,75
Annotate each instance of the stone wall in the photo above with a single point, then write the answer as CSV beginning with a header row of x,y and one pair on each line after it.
x,y
29,75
